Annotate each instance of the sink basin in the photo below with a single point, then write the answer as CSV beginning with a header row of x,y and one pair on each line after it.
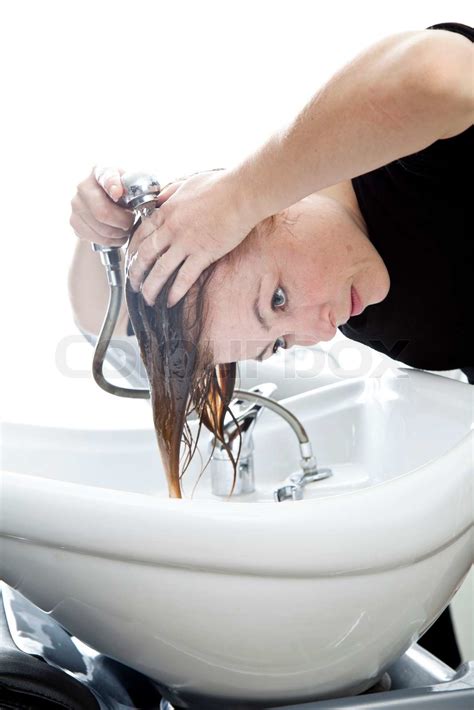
x,y
247,602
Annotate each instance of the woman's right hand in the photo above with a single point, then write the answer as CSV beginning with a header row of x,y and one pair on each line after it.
x,y
94,215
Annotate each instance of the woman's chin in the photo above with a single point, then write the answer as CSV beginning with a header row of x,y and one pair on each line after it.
x,y
381,288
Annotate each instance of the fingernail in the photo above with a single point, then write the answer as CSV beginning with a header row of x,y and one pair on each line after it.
x,y
114,192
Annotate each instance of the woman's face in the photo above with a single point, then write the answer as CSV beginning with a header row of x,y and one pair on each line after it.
x,y
292,285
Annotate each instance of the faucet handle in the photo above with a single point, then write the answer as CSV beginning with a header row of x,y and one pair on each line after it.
x,y
241,408
243,421
246,415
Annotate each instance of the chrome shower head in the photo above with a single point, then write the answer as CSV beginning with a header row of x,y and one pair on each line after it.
x,y
140,192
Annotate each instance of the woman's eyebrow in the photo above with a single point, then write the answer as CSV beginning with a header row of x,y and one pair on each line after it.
x,y
256,309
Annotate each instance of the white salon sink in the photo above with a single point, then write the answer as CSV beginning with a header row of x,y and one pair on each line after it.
x,y
250,601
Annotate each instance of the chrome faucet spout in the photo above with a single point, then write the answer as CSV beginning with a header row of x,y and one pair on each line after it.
x,y
308,461
225,481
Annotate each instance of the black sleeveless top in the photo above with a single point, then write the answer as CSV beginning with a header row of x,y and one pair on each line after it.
x,y
418,212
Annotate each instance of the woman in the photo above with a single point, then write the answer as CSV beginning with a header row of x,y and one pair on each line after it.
x,y
353,216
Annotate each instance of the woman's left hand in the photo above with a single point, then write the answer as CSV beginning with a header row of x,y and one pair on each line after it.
x,y
199,219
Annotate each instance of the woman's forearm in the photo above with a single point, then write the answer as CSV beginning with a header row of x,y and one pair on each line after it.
x,y
89,290
388,102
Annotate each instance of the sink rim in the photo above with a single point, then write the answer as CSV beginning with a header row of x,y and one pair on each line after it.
x,y
62,439
157,531
36,506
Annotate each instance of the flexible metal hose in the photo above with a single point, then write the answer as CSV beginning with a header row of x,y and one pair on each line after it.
x,y
102,345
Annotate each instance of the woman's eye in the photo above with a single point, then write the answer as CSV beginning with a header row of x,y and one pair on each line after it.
x,y
278,298
279,343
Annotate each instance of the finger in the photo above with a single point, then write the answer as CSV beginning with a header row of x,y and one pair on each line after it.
x,y
148,226
167,191
188,274
85,233
110,180
146,255
161,270
103,209
104,230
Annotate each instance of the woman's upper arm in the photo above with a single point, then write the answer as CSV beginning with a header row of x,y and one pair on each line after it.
x,y
442,66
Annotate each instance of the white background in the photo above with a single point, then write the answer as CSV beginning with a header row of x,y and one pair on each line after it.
x,y
173,87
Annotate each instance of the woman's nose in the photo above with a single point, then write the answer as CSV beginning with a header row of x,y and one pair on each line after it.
x,y
330,332
303,340
312,330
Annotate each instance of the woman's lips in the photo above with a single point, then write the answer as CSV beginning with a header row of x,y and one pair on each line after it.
x,y
357,305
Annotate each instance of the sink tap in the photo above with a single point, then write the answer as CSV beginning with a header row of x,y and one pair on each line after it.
x,y
222,470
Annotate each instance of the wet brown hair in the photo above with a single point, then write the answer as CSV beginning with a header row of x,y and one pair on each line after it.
x,y
180,369
180,372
